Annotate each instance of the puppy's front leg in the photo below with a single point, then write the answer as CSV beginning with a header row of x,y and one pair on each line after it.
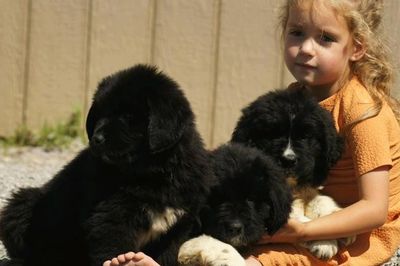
x,y
112,230
322,249
320,206
208,251
323,205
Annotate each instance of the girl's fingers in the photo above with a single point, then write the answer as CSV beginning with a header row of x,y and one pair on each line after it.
x,y
107,263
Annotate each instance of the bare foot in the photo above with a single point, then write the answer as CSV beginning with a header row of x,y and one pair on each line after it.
x,y
131,259
251,261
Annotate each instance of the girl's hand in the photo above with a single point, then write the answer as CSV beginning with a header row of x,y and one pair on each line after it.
x,y
291,232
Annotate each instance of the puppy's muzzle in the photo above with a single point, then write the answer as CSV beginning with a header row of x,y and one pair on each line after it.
x,y
289,157
235,228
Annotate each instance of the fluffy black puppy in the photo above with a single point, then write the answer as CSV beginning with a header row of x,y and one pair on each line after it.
x,y
290,126
138,186
250,198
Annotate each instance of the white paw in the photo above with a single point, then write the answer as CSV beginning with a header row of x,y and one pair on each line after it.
x,y
207,251
323,249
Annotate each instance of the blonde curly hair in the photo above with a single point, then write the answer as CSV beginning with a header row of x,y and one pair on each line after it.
x,y
374,69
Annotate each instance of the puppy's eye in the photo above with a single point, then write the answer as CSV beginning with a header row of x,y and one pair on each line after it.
x,y
305,131
274,132
305,135
263,208
127,119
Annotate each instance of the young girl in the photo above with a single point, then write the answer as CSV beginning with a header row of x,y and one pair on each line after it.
x,y
333,49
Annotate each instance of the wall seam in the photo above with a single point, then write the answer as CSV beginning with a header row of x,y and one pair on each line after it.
x,y
153,21
88,57
26,64
215,71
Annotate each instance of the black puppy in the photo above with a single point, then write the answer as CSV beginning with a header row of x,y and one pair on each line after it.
x,y
250,198
138,186
291,127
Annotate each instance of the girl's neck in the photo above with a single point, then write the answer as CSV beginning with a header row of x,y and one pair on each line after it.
x,y
322,92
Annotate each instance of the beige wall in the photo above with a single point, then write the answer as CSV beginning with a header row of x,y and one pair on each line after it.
x,y
224,53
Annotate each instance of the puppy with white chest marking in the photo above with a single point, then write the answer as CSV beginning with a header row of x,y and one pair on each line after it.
x,y
250,198
138,186
291,127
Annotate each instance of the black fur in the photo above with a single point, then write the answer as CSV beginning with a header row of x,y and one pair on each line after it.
x,y
145,154
250,197
273,119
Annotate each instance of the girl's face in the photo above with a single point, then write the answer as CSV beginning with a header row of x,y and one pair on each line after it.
x,y
318,47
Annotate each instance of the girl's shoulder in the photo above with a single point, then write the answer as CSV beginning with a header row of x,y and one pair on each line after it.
x,y
355,104
355,93
354,101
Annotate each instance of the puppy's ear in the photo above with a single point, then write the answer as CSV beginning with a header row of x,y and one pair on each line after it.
x,y
244,126
91,119
332,145
168,120
281,205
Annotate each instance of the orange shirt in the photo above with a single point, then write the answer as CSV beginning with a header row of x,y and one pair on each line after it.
x,y
372,143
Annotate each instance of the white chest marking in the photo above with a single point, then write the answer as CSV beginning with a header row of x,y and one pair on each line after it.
x,y
160,222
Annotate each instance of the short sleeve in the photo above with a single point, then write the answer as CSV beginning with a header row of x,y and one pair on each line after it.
x,y
369,143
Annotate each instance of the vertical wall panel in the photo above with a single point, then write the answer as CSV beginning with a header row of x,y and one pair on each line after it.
x,y
391,22
56,69
121,35
13,21
249,60
185,40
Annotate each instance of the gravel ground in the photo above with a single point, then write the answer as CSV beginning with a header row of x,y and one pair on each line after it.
x,y
20,167
26,166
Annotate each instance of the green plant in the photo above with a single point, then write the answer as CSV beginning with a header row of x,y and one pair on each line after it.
x,y
50,136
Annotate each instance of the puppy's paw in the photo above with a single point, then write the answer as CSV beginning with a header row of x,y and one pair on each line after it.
x,y
207,251
347,240
323,249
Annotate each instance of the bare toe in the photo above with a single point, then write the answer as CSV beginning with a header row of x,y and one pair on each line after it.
x,y
129,256
139,256
114,262
121,258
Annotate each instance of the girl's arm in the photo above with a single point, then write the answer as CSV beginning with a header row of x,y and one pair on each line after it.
x,y
366,214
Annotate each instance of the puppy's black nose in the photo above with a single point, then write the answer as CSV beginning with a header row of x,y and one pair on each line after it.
x,y
235,228
289,162
98,139
290,157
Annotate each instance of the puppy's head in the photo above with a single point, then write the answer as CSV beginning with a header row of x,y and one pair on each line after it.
x,y
290,126
251,196
136,111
